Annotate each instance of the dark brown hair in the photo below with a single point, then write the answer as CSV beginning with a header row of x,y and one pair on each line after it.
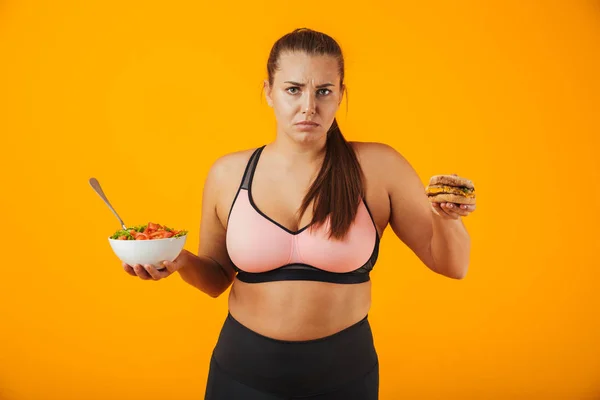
x,y
339,186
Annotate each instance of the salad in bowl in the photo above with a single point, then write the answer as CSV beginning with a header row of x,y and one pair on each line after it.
x,y
151,244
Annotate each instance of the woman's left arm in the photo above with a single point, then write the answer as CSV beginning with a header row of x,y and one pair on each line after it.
x,y
451,244
435,233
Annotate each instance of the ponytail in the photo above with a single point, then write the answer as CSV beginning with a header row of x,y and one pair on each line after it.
x,y
339,186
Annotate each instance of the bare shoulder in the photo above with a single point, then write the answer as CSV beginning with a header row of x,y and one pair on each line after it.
x,y
230,165
224,178
371,151
380,159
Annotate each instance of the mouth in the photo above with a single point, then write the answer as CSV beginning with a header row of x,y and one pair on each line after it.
x,y
307,123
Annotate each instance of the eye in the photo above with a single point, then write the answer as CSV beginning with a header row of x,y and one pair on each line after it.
x,y
326,90
292,88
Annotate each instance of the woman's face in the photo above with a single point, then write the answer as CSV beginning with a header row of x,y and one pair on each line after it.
x,y
306,89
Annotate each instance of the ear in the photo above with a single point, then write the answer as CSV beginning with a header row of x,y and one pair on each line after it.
x,y
267,88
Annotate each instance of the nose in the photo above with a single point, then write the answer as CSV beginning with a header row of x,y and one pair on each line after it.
x,y
308,107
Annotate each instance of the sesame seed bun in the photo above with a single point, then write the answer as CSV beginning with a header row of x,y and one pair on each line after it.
x,y
451,180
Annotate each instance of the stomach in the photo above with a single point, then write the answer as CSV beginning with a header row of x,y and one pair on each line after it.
x,y
298,310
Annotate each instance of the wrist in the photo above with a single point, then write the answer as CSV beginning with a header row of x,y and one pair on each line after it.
x,y
183,259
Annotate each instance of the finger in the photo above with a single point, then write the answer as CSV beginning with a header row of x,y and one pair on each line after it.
x,y
155,273
441,210
450,209
469,208
460,210
141,272
437,209
169,266
129,269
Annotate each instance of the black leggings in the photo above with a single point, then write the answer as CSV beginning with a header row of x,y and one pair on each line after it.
x,y
248,366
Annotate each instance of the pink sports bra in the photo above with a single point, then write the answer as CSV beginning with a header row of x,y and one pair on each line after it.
x,y
263,250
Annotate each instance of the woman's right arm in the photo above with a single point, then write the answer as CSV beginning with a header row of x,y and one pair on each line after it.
x,y
211,270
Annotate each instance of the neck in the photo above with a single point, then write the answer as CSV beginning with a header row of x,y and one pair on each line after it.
x,y
291,153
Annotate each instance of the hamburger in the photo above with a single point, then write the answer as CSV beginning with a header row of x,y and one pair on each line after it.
x,y
450,189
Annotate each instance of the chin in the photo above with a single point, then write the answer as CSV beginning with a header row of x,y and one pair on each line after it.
x,y
306,137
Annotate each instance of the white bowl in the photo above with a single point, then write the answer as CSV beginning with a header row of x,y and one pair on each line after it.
x,y
152,251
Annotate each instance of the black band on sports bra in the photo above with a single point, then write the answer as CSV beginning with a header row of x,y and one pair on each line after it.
x,y
289,273
249,173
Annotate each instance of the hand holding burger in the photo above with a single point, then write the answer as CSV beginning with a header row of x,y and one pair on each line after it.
x,y
451,196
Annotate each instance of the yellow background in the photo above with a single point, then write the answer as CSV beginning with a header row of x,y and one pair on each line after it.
x,y
146,95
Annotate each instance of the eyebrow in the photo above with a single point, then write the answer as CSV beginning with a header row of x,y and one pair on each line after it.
x,y
302,84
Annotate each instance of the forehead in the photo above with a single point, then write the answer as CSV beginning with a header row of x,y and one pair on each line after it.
x,y
301,67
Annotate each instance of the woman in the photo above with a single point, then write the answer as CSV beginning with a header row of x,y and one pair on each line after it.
x,y
295,225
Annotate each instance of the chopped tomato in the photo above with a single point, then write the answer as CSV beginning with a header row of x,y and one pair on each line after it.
x,y
141,236
159,235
